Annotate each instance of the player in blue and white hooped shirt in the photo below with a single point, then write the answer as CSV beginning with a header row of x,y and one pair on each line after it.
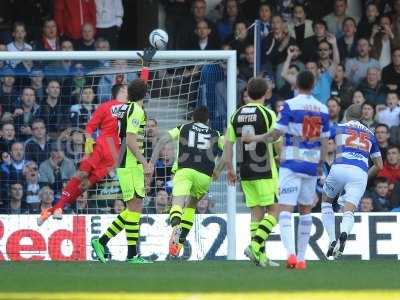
x,y
304,123
355,143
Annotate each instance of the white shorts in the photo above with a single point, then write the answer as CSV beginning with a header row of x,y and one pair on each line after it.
x,y
351,179
296,188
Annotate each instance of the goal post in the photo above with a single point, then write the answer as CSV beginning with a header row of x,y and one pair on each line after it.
x,y
162,60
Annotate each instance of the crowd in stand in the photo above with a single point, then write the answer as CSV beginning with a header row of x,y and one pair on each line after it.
x,y
44,107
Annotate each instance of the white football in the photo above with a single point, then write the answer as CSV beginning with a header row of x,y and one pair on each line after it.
x,y
158,39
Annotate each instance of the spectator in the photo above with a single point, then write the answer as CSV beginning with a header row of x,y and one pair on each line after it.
x,y
335,19
368,115
22,72
70,15
53,112
31,190
56,170
17,203
342,88
230,17
310,49
38,146
118,207
86,43
347,43
46,196
203,206
300,27
366,204
356,68
161,202
109,20
49,40
324,78
26,113
382,137
324,56
7,137
8,91
13,165
198,13
364,29
163,166
265,16
333,111
391,114
383,41
246,66
36,78
358,97
391,167
380,195
274,46
372,88
391,73
240,38
75,147
294,62
202,39
18,44
81,113
152,135
67,45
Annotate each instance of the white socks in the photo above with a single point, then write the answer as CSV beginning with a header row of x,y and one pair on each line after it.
x,y
303,235
347,222
328,219
285,225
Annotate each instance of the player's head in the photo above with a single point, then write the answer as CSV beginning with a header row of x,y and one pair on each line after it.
x,y
305,81
354,112
119,91
137,90
256,88
200,115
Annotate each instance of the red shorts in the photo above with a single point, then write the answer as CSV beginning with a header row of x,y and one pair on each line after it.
x,y
102,160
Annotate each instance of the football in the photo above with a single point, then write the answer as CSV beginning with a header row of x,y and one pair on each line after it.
x,y
158,39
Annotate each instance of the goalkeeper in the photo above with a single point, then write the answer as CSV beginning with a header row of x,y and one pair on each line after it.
x,y
198,148
101,156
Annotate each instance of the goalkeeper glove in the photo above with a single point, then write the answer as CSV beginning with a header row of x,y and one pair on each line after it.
x,y
147,56
89,145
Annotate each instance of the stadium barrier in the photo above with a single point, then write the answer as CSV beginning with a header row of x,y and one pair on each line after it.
x,y
375,235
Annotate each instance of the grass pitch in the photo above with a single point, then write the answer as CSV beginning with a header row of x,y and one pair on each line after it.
x,y
198,280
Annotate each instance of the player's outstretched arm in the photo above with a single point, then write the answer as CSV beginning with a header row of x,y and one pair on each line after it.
x,y
268,137
227,158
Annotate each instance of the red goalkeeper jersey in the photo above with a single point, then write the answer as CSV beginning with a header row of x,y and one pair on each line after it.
x,y
105,118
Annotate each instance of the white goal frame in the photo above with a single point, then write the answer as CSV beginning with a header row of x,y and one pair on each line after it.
x,y
228,56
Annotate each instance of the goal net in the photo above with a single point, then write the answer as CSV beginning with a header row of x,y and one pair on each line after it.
x,y
45,105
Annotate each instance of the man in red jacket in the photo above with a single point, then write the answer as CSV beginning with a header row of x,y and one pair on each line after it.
x,y
391,167
70,16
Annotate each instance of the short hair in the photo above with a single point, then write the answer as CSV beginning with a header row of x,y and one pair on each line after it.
x,y
200,114
115,89
152,119
256,88
18,24
368,103
380,180
334,100
324,41
305,81
351,19
382,125
38,120
320,22
266,4
354,112
8,123
392,146
137,90
395,49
